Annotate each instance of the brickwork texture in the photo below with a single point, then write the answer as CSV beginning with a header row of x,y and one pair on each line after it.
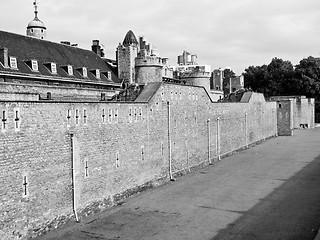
x,y
59,157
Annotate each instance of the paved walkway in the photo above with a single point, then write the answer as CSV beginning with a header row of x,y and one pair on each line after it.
x,y
270,191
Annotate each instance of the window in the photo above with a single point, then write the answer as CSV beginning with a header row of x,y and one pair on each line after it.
x,y
161,148
103,116
84,72
109,75
34,65
130,115
117,160
135,115
116,115
13,62
69,117
142,153
25,186
98,74
86,168
53,68
16,119
140,113
109,115
77,116
4,121
70,70
85,116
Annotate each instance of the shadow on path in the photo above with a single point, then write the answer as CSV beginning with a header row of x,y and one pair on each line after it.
x,y
290,212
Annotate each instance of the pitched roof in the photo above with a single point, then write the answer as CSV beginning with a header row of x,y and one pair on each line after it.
x,y
148,91
26,48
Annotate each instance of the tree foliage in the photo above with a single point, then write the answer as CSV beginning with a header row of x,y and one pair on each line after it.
x,y
280,77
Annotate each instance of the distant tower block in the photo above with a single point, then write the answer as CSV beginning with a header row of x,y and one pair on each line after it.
x,y
126,53
197,78
148,68
36,27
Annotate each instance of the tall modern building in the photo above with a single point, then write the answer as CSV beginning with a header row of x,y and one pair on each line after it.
x,y
187,59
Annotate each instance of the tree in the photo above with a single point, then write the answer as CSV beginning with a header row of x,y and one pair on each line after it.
x,y
270,80
281,78
307,79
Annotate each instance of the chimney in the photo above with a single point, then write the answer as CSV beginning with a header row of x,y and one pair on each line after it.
x,y
102,53
96,47
4,58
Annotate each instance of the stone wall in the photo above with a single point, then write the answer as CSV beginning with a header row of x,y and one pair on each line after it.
x,y
285,117
125,58
14,91
303,112
116,149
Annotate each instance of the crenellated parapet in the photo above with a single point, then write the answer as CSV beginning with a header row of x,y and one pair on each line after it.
x,y
197,78
148,68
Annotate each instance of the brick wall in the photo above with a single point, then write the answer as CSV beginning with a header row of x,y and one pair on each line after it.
x,y
118,149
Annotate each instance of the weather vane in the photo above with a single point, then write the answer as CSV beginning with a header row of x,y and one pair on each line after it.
x,y
35,3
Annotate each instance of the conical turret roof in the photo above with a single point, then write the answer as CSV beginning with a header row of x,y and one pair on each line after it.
x,y
130,39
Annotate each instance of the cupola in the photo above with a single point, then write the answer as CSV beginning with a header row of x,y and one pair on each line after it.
x,y
36,27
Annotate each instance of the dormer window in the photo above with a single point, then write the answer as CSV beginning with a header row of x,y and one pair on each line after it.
x,y
13,62
52,67
107,74
83,71
34,65
70,70
96,73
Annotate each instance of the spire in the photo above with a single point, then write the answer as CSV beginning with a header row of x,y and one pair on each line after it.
x,y
35,3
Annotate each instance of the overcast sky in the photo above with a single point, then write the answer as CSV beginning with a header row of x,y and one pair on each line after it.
x,y
223,33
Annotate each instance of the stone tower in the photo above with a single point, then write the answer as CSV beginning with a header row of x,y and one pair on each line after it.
x,y
36,27
197,78
126,54
148,68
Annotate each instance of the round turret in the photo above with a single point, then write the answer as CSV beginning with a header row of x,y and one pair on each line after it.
x,y
197,78
148,69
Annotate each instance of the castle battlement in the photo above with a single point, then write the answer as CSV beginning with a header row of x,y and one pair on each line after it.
x,y
148,61
195,74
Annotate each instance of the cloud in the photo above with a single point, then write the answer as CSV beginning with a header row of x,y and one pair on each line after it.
x,y
222,33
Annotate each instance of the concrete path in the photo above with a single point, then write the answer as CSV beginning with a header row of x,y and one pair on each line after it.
x,y
270,191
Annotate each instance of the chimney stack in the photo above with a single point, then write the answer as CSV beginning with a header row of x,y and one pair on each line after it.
x,y
96,48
